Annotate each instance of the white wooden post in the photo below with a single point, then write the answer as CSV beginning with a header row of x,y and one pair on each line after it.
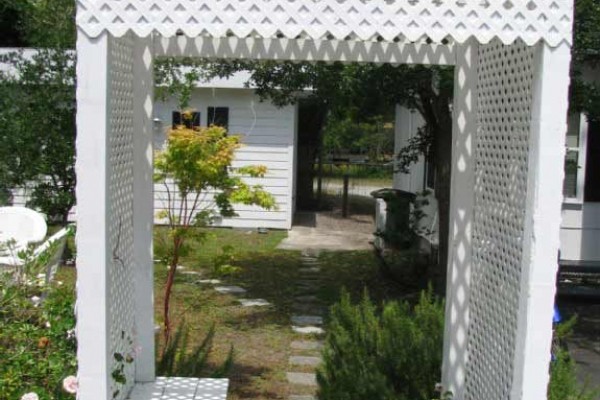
x,y
461,212
143,208
541,242
93,254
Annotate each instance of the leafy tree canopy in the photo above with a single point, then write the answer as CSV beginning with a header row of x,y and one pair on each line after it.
x,y
40,23
37,105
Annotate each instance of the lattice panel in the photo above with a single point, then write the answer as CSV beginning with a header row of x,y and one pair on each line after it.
x,y
390,20
121,283
501,168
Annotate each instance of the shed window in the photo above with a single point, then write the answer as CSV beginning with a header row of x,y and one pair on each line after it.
x,y
218,116
192,123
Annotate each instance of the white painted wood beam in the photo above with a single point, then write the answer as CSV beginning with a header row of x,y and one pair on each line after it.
x,y
543,216
458,277
93,254
143,208
306,50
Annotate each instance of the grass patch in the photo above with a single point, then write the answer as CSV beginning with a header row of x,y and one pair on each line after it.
x,y
261,336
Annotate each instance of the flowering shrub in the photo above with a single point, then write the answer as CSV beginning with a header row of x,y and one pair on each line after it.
x,y
37,343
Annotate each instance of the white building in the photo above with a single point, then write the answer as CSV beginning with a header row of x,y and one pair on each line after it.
x,y
269,138
580,228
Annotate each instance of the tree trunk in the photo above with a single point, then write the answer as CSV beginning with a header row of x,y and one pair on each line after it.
x,y
443,165
169,289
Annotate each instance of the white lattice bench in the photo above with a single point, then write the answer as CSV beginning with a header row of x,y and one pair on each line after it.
x,y
181,389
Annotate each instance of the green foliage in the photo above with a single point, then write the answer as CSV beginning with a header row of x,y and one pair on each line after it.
x,y
395,354
564,384
354,171
37,341
585,95
177,361
37,129
197,161
224,262
200,160
374,137
563,380
410,268
44,23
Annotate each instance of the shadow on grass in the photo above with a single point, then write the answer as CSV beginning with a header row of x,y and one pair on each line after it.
x,y
261,336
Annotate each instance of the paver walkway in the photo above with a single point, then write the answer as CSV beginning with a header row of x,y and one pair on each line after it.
x,y
307,322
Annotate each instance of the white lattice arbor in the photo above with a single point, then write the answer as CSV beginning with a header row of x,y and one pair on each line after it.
x,y
511,80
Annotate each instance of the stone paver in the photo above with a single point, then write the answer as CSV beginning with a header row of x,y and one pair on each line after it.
x,y
195,273
309,308
308,330
307,320
313,284
208,282
305,291
254,302
230,289
301,378
305,361
306,345
309,298
309,270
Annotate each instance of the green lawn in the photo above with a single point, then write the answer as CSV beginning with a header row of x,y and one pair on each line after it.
x,y
261,336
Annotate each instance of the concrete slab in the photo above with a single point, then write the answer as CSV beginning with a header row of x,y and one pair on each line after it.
x,y
308,330
309,270
254,302
307,299
300,238
301,378
308,308
208,282
306,345
305,361
194,273
304,320
301,397
230,289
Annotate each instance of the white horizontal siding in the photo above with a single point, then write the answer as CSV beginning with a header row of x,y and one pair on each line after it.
x,y
21,195
580,232
267,136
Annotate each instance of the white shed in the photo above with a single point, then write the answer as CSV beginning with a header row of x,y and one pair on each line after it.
x,y
269,136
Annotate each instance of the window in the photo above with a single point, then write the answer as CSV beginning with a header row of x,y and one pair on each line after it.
x,y
573,185
193,123
218,116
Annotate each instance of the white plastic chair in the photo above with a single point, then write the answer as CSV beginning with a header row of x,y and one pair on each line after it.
x,y
22,225
49,253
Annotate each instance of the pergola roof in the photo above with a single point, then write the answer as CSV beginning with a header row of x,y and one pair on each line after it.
x,y
365,20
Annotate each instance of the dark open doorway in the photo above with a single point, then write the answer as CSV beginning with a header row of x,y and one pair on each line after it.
x,y
311,117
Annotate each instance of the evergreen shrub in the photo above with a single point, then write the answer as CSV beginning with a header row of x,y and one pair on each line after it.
x,y
392,353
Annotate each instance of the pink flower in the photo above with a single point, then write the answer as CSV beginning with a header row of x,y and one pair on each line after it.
x,y
70,384
30,396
